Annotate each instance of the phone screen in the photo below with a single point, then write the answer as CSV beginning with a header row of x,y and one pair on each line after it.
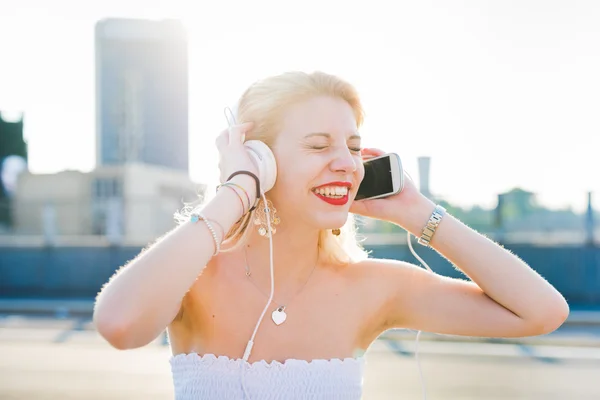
x,y
377,180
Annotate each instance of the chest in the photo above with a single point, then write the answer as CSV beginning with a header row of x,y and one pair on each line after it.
x,y
323,321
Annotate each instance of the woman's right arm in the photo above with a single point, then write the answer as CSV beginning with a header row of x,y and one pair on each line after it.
x,y
143,298
137,304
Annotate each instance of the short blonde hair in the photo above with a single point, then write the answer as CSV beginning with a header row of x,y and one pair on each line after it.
x,y
264,103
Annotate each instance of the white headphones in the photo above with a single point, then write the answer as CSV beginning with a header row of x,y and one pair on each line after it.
x,y
265,162
262,156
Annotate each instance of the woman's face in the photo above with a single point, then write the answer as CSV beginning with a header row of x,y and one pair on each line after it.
x,y
319,166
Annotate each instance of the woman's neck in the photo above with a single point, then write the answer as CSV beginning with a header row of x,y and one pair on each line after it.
x,y
295,255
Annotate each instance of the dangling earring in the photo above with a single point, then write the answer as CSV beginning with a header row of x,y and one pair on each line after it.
x,y
260,218
336,231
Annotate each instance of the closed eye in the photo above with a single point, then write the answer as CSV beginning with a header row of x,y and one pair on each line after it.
x,y
353,149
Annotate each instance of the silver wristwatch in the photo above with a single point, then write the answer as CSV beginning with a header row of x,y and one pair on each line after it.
x,y
432,224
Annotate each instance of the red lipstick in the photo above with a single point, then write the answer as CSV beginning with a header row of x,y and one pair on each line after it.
x,y
337,201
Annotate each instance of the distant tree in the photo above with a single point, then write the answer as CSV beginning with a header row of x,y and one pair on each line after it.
x,y
12,146
519,209
519,203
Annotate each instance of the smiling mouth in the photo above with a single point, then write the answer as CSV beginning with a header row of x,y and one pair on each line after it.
x,y
332,192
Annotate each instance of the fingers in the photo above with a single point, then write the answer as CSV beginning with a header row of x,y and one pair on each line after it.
x,y
222,140
237,134
232,154
368,153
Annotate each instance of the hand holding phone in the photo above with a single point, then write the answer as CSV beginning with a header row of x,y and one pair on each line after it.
x,y
384,176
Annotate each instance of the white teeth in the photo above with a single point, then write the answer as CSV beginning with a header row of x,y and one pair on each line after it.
x,y
332,191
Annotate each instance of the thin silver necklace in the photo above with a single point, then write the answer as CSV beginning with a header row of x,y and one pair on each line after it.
x,y
278,315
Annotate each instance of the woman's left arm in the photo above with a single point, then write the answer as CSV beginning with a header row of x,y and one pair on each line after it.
x,y
505,297
501,275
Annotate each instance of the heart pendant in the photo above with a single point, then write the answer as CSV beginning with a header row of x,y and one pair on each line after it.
x,y
279,316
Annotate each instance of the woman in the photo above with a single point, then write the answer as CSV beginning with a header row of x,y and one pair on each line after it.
x,y
336,300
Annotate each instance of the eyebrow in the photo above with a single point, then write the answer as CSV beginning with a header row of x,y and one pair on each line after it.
x,y
328,136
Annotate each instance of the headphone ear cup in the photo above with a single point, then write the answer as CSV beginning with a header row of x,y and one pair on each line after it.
x,y
265,162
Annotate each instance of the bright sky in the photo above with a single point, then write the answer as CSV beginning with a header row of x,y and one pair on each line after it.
x,y
498,93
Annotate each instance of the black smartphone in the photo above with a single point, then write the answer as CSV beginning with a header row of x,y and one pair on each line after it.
x,y
384,177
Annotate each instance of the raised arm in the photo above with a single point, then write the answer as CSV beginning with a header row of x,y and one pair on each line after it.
x,y
144,296
504,297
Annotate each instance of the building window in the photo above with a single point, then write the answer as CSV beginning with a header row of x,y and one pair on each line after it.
x,y
107,204
106,188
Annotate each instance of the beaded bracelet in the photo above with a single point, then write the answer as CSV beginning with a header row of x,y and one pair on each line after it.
x,y
198,216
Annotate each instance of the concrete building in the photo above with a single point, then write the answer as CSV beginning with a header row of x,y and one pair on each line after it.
x,y
142,93
130,204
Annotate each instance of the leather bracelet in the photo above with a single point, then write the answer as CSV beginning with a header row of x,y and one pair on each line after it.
x,y
429,230
255,180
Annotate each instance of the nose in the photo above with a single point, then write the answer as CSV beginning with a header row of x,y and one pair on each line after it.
x,y
344,162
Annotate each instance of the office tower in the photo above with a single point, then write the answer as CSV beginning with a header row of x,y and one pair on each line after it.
x,y
141,93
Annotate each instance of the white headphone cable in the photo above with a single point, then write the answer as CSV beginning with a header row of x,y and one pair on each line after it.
x,y
423,386
250,344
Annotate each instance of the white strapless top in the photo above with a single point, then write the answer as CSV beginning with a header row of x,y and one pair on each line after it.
x,y
219,377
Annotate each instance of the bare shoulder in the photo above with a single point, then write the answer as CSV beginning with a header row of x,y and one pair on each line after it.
x,y
416,298
376,272
374,282
370,265
401,285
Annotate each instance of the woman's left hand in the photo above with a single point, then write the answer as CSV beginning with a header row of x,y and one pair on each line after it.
x,y
399,208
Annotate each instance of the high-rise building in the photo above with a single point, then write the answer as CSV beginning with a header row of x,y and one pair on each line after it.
x,y
142,93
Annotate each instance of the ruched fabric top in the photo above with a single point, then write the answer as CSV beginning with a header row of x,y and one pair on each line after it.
x,y
219,377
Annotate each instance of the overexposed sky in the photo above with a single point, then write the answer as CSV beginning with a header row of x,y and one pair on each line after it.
x,y
498,93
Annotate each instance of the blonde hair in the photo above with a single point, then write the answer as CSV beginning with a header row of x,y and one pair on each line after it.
x,y
263,103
